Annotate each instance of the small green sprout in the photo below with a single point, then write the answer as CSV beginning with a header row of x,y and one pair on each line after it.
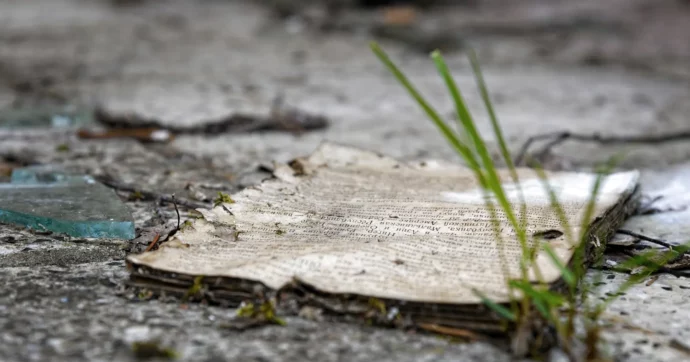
x,y
266,312
187,224
378,305
152,349
222,198
195,289
136,195
145,294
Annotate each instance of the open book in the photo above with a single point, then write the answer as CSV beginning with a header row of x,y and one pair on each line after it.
x,y
344,226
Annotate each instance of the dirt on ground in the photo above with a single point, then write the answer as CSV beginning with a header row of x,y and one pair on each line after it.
x,y
215,73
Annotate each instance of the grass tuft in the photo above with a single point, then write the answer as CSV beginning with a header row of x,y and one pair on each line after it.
x,y
559,310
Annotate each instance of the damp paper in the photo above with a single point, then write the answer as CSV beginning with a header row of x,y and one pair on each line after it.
x,y
345,220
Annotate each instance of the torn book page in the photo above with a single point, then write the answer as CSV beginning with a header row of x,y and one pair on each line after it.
x,y
350,221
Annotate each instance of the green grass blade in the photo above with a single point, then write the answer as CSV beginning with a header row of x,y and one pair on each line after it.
x,y
503,259
566,273
650,265
464,117
499,309
545,301
498,132
555,205
645,260
493,181
447,132
549,297
543,309
580,250
587,217
602,173
492,178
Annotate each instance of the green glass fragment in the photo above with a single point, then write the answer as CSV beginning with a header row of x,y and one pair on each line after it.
x,y
47,117
47,174
45,198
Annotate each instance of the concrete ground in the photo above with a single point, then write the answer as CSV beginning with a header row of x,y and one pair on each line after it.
x,y
619,68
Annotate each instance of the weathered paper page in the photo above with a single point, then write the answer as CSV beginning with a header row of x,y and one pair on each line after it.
x,y
351,221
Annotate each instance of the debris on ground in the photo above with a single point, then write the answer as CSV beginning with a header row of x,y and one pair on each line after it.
x,y
250,315
145,135
45,117
281,117
350,222
46,199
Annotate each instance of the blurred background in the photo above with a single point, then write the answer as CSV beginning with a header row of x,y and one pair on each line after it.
x,y
239,83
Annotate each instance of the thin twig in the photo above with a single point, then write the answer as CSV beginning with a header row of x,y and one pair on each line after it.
x,y
678,273
651,280
449,331
647,209
646,238
177,228
153,243
236,123
656,210
679,345
176,211
553,143
559,137
151,195
643,209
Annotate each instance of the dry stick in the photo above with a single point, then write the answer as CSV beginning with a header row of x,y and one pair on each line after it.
x,y
559,137
647,208
642,209
173,231
548,147
177,228
678,273
646,238
651,280
176,211
153,243
662,268
449,331
153,195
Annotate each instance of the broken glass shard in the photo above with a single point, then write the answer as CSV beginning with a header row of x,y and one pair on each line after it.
x,y
49,117
47,174
48,199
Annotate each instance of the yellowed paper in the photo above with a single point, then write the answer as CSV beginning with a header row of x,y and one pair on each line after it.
x,y
351,221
